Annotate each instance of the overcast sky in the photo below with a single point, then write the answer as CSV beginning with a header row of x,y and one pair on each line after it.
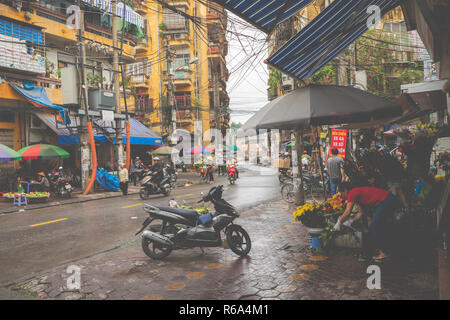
x,y
247,85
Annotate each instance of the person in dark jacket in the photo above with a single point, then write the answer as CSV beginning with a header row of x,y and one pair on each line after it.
x,y
157,171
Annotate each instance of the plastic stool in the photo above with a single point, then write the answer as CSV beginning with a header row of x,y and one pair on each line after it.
x,y
20,199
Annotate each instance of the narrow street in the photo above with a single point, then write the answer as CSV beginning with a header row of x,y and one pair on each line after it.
x,y
37,246
36,240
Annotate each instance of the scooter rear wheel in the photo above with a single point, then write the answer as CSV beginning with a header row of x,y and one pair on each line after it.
x,y
238,240
155,250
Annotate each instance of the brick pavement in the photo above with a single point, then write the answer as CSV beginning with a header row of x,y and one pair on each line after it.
x,y
280,266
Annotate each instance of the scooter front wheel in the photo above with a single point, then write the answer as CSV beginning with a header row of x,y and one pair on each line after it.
x,y
238,240
155,250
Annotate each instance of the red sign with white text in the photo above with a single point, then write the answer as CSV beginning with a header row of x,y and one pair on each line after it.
x,y
339,141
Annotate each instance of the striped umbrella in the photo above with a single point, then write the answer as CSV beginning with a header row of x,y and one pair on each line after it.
x,y
42,151
8,154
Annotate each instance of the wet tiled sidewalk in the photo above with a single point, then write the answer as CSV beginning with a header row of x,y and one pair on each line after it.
x,y
280,266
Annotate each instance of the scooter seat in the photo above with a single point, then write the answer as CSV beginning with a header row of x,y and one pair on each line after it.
x,y
191,215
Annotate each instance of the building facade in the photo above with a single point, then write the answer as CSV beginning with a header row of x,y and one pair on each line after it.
x,y
39,50
180,73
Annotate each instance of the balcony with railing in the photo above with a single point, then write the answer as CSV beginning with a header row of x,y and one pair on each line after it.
x,y
216,14
180,3
54,19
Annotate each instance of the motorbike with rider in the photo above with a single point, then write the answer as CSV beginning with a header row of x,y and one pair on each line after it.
x,y
155,182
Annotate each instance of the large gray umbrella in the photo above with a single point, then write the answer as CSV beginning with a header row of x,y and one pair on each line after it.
x,y
256,118
325,105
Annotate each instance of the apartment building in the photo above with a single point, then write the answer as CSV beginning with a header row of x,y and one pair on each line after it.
x,y
180,72
39,53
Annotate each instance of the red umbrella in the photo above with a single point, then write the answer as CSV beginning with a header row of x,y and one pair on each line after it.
x,y
42,151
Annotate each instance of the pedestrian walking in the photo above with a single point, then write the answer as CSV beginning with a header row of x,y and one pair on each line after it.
x,y
335,169
123,177
210,173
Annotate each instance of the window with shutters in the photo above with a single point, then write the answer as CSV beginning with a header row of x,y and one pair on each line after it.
x,y
144,104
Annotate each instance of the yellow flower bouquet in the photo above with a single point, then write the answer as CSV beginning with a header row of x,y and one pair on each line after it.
x,y
311,215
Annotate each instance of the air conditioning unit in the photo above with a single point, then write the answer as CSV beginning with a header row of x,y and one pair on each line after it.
x,y
100,99
287,82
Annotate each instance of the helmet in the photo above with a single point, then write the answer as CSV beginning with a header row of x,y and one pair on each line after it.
x,y
156,159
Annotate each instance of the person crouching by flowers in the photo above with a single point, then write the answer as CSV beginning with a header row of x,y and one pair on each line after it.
x,y
384,204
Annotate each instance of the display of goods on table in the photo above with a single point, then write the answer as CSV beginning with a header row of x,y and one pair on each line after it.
x,y
30,196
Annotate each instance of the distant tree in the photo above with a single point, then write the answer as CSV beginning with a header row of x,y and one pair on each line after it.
x,y
235,125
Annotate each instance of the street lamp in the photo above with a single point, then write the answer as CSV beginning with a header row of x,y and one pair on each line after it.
x,y
192,61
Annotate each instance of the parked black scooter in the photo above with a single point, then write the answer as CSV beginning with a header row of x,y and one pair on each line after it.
x,y
184,229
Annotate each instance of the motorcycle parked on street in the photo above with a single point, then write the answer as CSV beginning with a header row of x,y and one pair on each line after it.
x,y
149,186
59,184
285,175
184,229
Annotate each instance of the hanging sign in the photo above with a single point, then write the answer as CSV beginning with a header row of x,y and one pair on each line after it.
x,y
339,141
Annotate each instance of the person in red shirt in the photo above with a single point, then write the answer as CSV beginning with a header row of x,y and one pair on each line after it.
x,y
383,203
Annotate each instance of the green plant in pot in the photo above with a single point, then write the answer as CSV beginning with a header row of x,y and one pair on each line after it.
x,y
95,80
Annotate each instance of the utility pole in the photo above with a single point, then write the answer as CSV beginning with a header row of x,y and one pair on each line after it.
x,y
341,71
116,83
297,172
85,158
353,64
170,98
216,98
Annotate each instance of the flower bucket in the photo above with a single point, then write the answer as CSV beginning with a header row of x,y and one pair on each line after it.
x,y
315,231
315,243
314,234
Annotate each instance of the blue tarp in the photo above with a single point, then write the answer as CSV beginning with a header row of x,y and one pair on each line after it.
x,y
139,134
38,98
107,181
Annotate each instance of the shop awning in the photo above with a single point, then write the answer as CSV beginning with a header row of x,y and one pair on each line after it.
x,y
139,134
326,36
264,14
38,97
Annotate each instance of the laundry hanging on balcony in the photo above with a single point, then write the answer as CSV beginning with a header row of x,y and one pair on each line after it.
x,y
38,97
131,16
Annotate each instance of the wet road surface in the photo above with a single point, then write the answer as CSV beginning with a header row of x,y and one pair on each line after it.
x,y
36,240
